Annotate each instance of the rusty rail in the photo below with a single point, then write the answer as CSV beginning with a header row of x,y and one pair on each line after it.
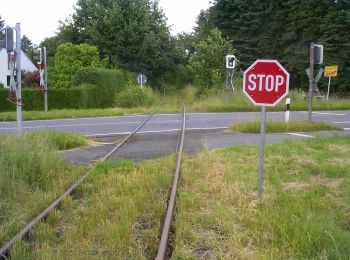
x,y
164,240
5,249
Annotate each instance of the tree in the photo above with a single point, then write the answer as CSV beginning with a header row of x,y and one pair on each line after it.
x,y
69,58
29,48
283,30
51,44
131,34
2,25
208,62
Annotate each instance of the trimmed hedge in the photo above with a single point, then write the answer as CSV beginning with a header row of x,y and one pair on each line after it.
x,y
105,78
97,88
85,96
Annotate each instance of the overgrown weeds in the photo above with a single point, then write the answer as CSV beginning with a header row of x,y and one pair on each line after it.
x,y
282,127
304,213
31,176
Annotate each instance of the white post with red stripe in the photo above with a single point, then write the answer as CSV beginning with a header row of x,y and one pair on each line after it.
x,y
286,116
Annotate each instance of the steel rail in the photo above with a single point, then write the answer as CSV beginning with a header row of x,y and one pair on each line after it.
x,y
5,249
164,240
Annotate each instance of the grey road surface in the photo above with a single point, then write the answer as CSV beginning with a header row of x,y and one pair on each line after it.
x,y
159,136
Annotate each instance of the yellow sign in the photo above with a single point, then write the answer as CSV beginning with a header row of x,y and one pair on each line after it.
x,y
330,71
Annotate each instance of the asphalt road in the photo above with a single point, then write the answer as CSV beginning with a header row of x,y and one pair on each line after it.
x,y
159,136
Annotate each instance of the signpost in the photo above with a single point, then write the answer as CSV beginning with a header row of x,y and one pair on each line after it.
x,y
265,83
330,71
42,66
230,66
141,79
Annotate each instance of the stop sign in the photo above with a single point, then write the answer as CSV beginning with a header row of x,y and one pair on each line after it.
x,y
266,82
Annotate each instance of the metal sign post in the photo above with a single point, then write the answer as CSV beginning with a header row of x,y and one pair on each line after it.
x,y
311,80
19,79
330,71
265,83
262,150
141,79
230,68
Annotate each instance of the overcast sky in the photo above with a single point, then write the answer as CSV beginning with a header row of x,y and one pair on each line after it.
x,y
39,18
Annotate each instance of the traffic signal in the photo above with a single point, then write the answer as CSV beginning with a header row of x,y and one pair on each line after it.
x,y
230,61
318,54
8,42
9,39
38,55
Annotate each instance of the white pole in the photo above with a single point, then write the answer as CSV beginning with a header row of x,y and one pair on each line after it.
x,y
45,75
286,116
19,79
329,86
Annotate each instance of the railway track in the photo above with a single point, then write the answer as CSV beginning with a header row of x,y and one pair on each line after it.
x,y
164,250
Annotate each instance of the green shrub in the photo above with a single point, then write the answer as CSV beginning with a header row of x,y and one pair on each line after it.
x,y
60,140
134,96
112,79
31,160
69,58
85,96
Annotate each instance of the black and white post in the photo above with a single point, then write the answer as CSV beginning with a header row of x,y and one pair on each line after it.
x,y
286,116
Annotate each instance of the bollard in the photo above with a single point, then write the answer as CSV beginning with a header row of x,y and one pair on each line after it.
x,y
286,117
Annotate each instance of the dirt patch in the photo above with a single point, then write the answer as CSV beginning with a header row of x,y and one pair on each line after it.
x,y
296,186
327,182
339,148
313,181
340,161
204,252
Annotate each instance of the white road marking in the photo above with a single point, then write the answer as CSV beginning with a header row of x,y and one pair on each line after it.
x,y
327,113
344,122
346,129
159,131
59,126
302,135
208,128
165,121
167,115
77,118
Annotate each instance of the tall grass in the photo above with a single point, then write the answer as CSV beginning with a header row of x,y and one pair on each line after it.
x,y
116,214
61,140
31,175
282,127
304,213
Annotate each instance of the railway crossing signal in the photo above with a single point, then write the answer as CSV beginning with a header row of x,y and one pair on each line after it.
x,y
230,66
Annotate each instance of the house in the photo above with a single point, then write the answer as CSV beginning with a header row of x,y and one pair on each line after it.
x,y
26,65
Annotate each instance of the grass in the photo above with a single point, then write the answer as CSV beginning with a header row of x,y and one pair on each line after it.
x,y
61,140
31,176
117,213
282,127
220,101
304,213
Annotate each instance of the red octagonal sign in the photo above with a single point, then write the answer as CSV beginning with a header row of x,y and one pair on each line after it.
x,y
266,82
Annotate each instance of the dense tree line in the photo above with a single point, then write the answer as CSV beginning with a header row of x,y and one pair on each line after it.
x,y
133,35
283,30
130,34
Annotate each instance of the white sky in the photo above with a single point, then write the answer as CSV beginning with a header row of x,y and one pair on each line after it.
x,y
39,18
